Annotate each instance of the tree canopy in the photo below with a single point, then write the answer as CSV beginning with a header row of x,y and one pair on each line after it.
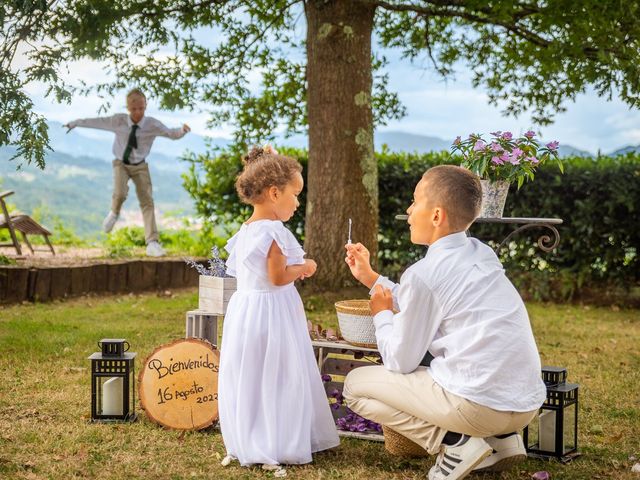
x,y
532,55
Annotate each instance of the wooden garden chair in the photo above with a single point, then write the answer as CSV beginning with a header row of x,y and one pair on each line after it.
x,y
23,224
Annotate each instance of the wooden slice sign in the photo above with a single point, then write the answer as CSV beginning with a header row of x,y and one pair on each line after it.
x,y
179,384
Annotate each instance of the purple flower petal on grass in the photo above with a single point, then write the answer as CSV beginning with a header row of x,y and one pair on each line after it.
x,y
541,476
326,378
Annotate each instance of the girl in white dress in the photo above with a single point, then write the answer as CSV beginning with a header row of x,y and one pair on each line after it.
x,y
272,404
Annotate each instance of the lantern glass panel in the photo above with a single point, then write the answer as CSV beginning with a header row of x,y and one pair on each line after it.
x,y
569,436
533,430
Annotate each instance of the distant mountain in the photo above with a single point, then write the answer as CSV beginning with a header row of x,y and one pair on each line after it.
x,y
625,150
569,151
409,142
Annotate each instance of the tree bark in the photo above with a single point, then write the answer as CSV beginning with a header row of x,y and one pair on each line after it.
x,y
343,175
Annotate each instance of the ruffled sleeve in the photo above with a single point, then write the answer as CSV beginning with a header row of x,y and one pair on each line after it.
x,y
276,231
230,247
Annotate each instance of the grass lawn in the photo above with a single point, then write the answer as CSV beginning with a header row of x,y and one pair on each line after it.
x,y
45,396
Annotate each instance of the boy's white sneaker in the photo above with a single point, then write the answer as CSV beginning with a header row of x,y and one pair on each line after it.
x,y
109,221
456,461
154,249
507,452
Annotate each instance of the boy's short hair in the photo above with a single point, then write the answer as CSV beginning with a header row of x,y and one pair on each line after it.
x,y
458,191
136,91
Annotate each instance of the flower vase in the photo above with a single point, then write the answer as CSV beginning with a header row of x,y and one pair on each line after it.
x,y
494,196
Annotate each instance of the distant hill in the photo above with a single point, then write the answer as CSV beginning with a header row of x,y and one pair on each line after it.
x,y
625,150
78,189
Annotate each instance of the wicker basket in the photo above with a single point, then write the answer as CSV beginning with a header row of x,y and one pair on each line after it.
x,y
356,322
401,446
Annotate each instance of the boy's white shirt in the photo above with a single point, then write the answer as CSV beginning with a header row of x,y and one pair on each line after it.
x,y
458,304
121,124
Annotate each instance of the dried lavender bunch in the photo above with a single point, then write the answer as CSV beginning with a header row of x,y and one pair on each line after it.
x,y
216,264
216,268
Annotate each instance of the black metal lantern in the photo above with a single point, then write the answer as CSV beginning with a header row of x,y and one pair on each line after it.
x,y
113,382
554,432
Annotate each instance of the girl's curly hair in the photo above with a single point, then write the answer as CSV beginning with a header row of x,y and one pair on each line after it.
x,y
264,168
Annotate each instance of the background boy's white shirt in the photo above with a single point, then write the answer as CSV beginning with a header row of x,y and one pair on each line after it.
x,y
458,304
121,123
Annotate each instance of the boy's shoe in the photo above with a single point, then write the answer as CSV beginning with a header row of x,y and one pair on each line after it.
x,y
109,221
456,461
154,249
507,452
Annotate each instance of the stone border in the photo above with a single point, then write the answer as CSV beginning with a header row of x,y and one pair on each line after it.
x,y
41,284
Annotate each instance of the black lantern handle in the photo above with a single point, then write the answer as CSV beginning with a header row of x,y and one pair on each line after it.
x,y
127,346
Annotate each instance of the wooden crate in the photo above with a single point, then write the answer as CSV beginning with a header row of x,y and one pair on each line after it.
x,y
337,359
202,324
214,293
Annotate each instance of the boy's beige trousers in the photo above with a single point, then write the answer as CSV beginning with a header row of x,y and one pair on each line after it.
x,y
142,180
417,407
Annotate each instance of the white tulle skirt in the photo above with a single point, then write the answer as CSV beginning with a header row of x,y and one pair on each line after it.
x,y
273,407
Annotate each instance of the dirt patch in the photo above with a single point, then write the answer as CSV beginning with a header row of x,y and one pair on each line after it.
x,y
72,256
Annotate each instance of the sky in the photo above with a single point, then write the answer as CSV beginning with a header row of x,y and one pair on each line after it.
x,y
434,108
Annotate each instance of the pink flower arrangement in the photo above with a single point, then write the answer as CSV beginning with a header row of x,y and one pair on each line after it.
x,y
505,157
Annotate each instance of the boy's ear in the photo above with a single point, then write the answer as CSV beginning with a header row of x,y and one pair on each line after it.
x,y
439,216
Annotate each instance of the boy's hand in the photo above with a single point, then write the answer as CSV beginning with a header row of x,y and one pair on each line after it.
x,y
380,300
358,260
310,267
186,128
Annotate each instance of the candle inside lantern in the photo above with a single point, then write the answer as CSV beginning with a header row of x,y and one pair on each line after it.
x,y
349,236
112,396
547,426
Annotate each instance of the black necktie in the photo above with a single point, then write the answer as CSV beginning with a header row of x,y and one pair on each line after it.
x,y
131,143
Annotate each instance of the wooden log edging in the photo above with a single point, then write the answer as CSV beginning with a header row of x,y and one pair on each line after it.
x,y
41,284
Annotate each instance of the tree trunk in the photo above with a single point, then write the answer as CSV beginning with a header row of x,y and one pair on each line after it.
x,y
343,175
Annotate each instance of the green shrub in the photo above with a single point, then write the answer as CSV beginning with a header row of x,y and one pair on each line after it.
x,y
598,199
123,241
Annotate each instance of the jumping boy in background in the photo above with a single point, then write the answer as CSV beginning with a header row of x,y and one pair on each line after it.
x,y
134,136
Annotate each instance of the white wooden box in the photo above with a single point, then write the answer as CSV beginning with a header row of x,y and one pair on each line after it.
x,y
214,293
202,324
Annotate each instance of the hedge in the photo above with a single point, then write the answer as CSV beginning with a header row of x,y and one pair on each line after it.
x,y
597,198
